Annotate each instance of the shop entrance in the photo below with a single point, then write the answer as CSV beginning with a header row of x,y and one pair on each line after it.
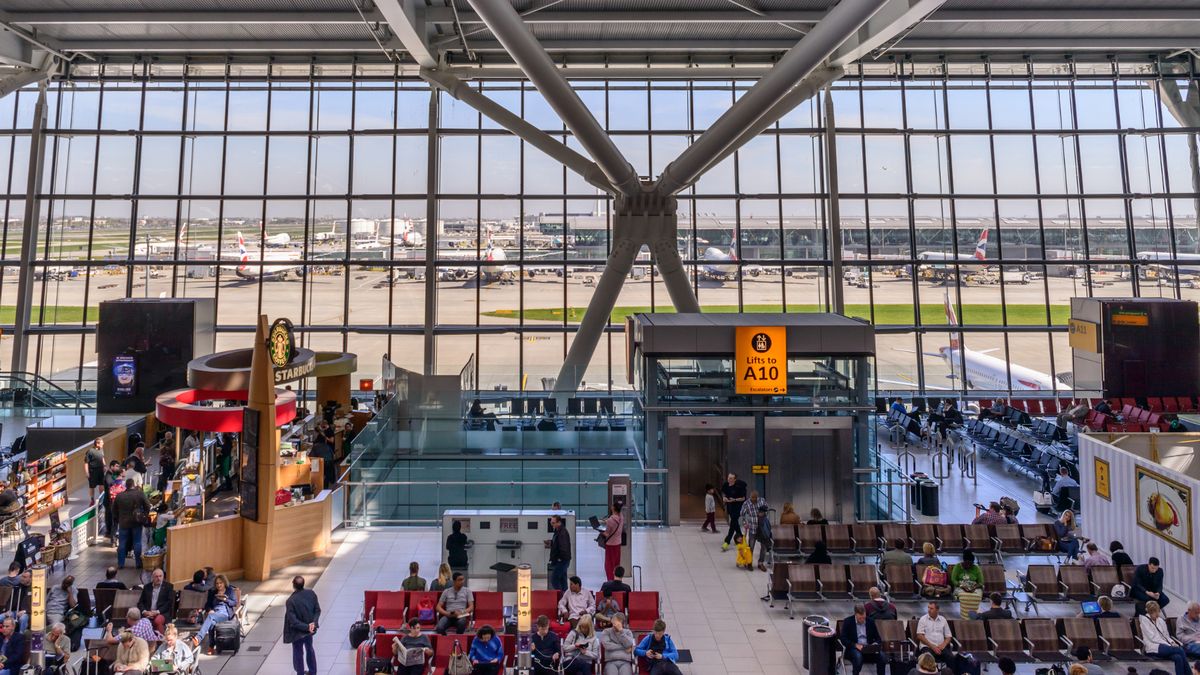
x,y
702,462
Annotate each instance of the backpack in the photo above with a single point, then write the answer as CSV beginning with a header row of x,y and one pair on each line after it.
x,y
425,613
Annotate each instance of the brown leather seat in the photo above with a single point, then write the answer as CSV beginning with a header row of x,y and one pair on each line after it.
x,y
785,542
866,538
1117,635
1042,582
801,584
834,583
893,637
1044,644
837,538
1032,532
1104,579
1082,633
900,582
994,580
979,539
809,535
891,532
1075,582
921,533
1010,539
862,578
951,537
1005,636
971,636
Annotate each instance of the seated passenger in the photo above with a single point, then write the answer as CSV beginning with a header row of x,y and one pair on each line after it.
x,y
546,648
1106,608
1085,660
819,556
1063,481
966,578
878,608
1157,638
57,646
487,652
412,638
788,515
815,518
1094,557
455,607
174,651
606,609
223,601
1064,532
991,516
1148,585
575,602
617,643
581,648
929,556
896,555
927,665
859,638
1117,551
996,611
659,649
617,585
133,654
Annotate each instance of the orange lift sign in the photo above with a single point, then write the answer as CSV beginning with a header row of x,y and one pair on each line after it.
x,y
760,360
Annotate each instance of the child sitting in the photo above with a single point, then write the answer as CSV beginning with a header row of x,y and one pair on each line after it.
x,y
745,557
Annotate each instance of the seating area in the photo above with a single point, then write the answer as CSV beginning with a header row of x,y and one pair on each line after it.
x,y
864,540
1134,419
386,612
1029,640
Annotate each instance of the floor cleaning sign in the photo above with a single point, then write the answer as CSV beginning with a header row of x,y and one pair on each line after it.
x,y
760,357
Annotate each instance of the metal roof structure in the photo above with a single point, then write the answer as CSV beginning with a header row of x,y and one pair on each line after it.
x,y
709,33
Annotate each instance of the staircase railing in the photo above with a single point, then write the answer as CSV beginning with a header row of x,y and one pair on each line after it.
x,y
30,390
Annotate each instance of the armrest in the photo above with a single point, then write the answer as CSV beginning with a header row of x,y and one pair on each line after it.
x,y
997,544
939,542
1067,642
1028,643
1105,642
993,644
1065,588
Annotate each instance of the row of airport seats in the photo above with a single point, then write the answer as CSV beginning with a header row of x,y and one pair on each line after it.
x,y
1158,404
1041,583
1040,461
1134,419
872,539
388,611
1029,640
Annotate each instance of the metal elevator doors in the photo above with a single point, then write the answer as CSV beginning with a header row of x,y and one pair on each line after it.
x,y
702,462
803,470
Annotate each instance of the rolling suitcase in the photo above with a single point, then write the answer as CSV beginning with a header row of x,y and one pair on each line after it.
x,y
227,636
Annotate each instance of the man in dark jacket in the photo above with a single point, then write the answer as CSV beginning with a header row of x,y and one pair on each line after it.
x,y
860,638
560,554
1148,585
300,621
95,468
129,508
996,611
13,647
157,601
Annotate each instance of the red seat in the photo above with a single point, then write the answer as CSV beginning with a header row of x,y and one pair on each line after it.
x,y
1170,404
443,646
389,609
1156,404
369,600
643,610
1129,402
1065,404
1153,420
1019,405
415,599
544,602
1186,404
510,646
1142,416
382,648
1127,410
489,609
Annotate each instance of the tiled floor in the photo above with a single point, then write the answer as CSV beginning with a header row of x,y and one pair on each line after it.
x,y
712,609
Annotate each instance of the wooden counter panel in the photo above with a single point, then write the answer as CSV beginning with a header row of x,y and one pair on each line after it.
x,y
77,478
301,531
215,543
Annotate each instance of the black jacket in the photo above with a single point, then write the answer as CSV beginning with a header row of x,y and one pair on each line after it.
x,y
849,633
994,613
129,505
456,550
166,600
302,609
1144,580
560,545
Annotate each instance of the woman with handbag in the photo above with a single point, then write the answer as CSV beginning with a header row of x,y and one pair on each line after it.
x,y
1064,532
967,579
614,535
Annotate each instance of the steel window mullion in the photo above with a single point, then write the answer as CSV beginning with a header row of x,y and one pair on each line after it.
x,y
309,207
1126,199
221,202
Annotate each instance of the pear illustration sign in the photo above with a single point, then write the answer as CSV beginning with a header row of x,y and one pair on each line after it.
x,y
760,360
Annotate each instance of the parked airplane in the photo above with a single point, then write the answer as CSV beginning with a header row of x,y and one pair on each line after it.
x,y
719,265
984,371
1162,262
276,272
978,255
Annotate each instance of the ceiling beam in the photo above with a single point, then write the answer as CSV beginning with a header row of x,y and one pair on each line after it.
x,y
444,15
508,27
406,18
840,24
15,50
895,18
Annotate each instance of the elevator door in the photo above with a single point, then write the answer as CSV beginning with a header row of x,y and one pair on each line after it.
x,y
802,470
702,461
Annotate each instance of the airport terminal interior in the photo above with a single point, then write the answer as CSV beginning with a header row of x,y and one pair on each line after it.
x,y
534,337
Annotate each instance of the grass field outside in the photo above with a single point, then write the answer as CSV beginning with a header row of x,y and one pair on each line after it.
x,y
53,315
898,314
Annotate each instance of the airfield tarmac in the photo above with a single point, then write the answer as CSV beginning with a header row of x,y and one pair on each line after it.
x,y
508,357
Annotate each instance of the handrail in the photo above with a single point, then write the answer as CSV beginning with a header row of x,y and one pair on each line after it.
x,y
39,383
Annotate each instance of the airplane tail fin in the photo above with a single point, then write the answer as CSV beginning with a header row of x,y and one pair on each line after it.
x,y
244,257
981,246
733,252
952,320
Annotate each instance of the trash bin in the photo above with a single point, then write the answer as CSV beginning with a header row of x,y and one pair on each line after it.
x,y
929,498
506,577
914,490
823,659
812,621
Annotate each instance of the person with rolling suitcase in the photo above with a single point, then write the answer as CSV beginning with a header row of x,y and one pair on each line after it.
x,y
221,611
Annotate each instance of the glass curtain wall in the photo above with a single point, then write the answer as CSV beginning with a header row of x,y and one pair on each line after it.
x,y
996,190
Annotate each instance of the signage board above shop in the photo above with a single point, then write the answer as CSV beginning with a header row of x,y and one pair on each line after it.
x,y
760,360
